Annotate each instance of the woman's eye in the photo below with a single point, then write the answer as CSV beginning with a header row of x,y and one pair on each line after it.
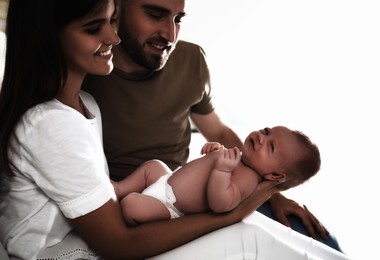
x,y
93,30
114,19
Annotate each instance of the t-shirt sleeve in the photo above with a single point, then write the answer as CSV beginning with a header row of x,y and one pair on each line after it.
x,y
67,162
205,106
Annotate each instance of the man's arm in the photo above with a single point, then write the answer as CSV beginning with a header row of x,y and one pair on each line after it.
x,y
213,129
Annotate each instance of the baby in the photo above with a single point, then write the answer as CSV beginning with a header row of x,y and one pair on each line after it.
x,y
221,179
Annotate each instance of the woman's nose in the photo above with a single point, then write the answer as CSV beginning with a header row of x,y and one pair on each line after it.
x,y
112,38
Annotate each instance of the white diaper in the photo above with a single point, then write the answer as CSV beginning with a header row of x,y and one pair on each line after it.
x,y
162,191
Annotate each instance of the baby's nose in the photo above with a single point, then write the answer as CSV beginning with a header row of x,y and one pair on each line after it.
x,y
260,138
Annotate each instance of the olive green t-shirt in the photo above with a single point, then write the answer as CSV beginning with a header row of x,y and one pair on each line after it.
x,y
147,117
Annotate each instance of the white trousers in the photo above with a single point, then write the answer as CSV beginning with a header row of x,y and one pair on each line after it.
x,y
257,237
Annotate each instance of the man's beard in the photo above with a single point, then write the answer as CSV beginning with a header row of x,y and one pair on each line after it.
x,y
136,51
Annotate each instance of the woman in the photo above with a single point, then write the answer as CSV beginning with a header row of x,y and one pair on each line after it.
x,y
53,173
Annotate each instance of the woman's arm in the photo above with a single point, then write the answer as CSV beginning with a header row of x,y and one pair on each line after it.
x,y
106,232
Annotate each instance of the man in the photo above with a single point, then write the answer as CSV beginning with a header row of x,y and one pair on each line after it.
x,y
158,84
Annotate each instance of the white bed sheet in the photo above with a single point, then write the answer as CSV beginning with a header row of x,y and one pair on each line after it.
x,y
257,237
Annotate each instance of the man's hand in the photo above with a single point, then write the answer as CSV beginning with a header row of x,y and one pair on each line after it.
x,y
282,207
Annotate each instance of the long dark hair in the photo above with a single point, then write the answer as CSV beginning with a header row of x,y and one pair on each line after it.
x,y
35,69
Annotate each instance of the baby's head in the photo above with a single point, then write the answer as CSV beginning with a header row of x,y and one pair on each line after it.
x,y
306,164
283,155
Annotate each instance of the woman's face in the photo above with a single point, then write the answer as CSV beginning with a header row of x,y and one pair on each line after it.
x,y
87,43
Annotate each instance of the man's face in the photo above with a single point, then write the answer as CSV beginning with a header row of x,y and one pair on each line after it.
x,y
149,30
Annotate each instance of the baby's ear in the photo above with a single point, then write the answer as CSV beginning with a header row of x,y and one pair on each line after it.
x,y
275,176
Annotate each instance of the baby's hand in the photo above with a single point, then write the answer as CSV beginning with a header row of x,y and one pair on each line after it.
x,y
228,159
210,147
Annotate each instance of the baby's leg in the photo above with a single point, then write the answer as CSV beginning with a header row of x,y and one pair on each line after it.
x,y
145,175
139,208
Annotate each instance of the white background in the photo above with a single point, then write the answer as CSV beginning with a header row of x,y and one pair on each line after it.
x,y
313,66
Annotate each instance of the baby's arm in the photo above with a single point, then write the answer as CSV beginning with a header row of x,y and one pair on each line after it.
x,y
223,194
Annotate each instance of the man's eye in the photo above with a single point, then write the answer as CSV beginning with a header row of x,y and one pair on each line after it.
x,y
155,15
178,20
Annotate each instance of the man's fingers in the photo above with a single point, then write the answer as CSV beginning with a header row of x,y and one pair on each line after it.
x,y
322,231
283,220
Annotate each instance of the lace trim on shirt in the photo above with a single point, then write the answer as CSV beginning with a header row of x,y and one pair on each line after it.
x,y
75,255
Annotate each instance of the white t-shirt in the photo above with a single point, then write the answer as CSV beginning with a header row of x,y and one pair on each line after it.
x,y
2,55
62,174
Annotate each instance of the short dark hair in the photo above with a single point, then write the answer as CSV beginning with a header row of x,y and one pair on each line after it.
x,y
307,166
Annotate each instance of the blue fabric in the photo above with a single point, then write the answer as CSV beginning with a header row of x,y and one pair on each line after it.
x,y
296,224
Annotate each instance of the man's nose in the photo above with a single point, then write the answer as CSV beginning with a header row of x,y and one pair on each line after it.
x,y
169,31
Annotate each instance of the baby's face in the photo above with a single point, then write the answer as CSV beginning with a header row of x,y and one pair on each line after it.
x,y
271,150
